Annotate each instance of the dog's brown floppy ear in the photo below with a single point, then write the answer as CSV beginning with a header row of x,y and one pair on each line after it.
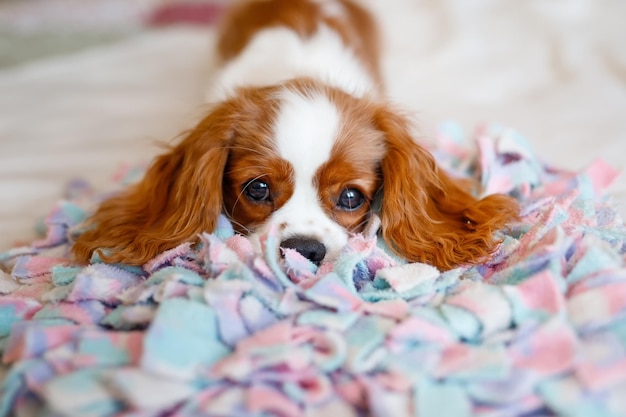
x,y
179,197
428,217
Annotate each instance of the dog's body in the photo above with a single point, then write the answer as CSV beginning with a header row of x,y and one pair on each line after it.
x,y
299,140
263,43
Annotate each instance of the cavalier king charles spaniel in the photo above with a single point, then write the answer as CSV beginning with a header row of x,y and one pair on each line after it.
x,y
299,140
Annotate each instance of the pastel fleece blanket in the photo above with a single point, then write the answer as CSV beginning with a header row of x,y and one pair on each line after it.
x,y
216,330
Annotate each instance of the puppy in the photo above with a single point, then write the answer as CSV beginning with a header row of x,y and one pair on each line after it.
x,y
300,140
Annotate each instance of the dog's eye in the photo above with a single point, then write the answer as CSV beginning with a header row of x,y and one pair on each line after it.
x,y
350,199
257,190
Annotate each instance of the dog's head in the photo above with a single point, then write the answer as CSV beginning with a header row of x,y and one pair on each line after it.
x,y
307,160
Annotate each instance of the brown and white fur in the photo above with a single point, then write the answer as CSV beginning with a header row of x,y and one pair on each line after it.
x,y
299,139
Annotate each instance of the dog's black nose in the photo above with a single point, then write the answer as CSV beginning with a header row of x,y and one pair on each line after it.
x,y
311,249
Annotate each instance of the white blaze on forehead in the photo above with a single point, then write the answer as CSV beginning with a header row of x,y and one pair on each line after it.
x,y
305,131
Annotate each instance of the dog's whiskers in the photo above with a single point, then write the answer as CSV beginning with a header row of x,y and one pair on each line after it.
x,y
241,193
235,222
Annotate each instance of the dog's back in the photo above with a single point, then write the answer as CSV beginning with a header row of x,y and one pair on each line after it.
x,y
269,41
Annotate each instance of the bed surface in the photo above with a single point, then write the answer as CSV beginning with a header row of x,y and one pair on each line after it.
x,y
555,71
